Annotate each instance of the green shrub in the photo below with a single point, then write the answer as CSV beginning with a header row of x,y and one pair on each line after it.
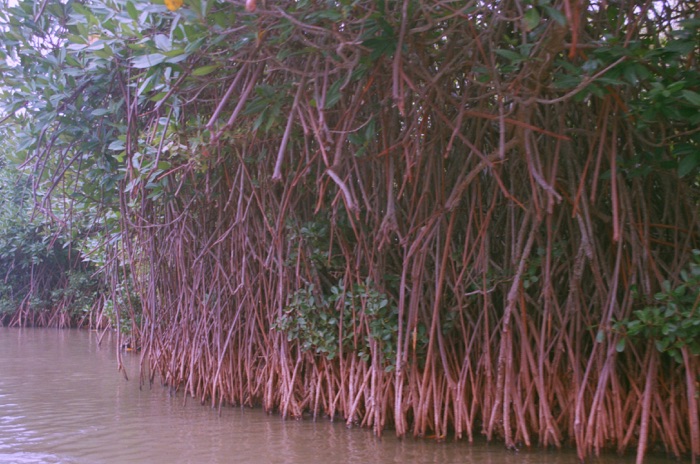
x,y
674,321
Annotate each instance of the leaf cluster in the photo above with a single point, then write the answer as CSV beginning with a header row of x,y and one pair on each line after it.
x,y
350,319
673,323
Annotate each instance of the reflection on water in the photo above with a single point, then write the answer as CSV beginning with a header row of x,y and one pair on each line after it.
x,y
63,401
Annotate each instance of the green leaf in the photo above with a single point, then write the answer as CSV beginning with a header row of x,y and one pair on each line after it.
x,y
661,345
620,347
204,70
132,11
531,19
691,97
117,145
600,336
688,164
510,55
555,14
179,57
385,45
682,47
163,42
158,97
333,95
146,61
146,85
77,47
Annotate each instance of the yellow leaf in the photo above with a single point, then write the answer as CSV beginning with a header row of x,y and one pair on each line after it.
x,y
173,5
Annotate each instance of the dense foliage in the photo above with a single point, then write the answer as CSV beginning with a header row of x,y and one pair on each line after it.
x,y
44,281
448,217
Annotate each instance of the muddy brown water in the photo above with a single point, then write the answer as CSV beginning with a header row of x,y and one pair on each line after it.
x,y
62,400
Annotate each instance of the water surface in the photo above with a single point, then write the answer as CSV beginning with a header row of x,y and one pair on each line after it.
x,y
62,400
